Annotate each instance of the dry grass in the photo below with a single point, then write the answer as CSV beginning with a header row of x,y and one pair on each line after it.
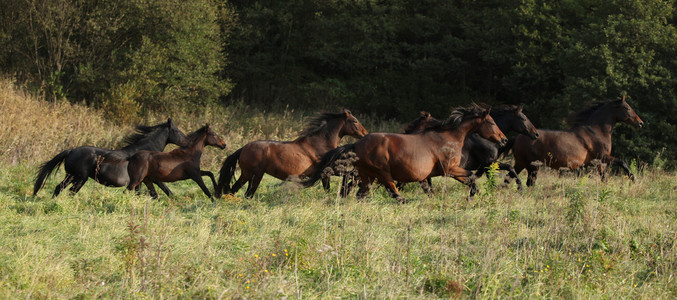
x,y
568,237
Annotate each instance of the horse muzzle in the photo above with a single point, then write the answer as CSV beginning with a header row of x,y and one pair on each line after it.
x,y
503,142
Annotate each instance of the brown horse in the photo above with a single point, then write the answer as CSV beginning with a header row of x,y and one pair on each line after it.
x,y
288,160
390,157
178,164
587,140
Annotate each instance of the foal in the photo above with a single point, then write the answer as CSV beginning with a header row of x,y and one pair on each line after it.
x,y
178,164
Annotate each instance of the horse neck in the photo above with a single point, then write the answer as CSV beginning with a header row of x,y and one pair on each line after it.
x,y
154,141
197,146
327,139
602,122
467,126
504,123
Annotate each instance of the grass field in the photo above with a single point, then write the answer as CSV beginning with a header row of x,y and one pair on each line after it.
x,y
568,237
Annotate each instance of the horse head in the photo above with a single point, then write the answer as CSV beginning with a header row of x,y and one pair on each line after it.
x,y
624,113
488,129
213,139
352,126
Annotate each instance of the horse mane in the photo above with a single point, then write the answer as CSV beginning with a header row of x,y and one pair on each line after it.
x,y
503,109
456,117
319,123
141,132
421,120
582,116
192,138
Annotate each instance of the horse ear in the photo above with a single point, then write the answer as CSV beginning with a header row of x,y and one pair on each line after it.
x,y
347,112
169,121
519,109
623,99
486,112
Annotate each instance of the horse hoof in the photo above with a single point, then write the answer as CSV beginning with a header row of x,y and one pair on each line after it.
x,y
632,177
401,200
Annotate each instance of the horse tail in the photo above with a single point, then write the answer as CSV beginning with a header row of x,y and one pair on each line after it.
x,y
47,169
328,159
226,173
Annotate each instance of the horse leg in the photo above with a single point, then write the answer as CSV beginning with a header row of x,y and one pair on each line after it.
x,y
64,183
532,175
347,184
365,186
466,177
151,188
253,184
622,164
392,190
77,185
211,176
164,188
325,183
511,174
426,185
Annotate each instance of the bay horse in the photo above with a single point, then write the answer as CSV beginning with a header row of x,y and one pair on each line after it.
x,y
86,162
436,151
179,164
589,139
478,152
290,159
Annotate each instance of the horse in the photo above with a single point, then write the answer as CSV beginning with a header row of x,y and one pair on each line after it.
x,y
588,140
479,153
179,164
86,162
390,157
290,159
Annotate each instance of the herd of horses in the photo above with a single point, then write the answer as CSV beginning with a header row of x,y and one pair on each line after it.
x,y
461,146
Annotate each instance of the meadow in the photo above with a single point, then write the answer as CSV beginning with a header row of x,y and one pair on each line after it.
x,y
567,237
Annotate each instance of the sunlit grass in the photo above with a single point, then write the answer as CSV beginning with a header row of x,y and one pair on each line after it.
x,y
567,237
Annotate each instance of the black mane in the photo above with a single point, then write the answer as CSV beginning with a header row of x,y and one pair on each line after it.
x,y
582,117
141,132
456,117
192,138
319,123
503,109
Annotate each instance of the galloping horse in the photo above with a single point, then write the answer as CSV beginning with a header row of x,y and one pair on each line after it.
x,y
478,152
178,164
86,162
589,139
436,151
286,160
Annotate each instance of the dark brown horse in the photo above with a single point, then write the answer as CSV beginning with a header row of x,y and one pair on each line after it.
x,y
390,157
589,139
288,160
178,164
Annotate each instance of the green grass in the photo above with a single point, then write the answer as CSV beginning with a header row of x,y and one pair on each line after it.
x,y
571,237
568,237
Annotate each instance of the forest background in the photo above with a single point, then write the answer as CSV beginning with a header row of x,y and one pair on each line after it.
x,y
387,59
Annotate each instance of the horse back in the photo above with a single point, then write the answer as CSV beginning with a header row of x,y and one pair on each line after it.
x,y
554,148
279,159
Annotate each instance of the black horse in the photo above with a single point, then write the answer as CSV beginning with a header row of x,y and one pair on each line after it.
x,y
108,167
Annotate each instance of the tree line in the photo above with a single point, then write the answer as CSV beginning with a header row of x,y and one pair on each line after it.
x,y
388,58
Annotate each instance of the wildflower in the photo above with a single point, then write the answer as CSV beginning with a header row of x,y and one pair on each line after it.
x,y
256,256
247,287
239,275
273,254
265,271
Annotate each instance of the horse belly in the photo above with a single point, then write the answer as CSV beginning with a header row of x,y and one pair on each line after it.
x,y
411,169
114,175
